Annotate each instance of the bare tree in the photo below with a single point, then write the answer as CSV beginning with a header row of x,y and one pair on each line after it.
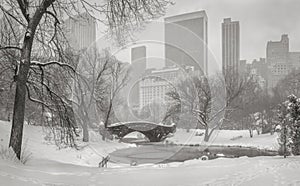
x,y
42,36
116,79
91,86
210,100
288,85
173,108
210,104
195,96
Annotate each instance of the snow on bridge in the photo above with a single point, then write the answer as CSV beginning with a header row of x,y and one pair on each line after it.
x,y
153,131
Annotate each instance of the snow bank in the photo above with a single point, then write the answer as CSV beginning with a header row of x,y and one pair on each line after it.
x,y
239,171
90,154
225,137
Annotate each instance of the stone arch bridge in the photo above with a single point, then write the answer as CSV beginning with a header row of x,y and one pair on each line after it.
x,y
153,131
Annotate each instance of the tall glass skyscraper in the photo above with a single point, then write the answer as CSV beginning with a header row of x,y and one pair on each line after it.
x,y
230,45
186,40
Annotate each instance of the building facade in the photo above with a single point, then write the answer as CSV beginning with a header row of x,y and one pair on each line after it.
x,y
186,40
138,65
294,58
158,82
230,45
81,31
278,51
280,60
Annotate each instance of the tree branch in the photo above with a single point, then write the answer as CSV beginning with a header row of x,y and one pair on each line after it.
x,y
35,100
55,23
12,16
24,8
37,63
10,47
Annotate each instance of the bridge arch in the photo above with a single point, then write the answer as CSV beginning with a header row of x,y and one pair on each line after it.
x,y
153,131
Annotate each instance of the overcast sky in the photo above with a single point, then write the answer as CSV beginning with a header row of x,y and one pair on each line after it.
x,y
260,22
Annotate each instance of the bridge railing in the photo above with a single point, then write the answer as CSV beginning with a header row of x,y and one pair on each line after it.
x,y
140,122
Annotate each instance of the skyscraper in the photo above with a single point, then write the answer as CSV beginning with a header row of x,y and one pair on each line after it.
x,y
230,45
138,57
138,63
81,31
186,40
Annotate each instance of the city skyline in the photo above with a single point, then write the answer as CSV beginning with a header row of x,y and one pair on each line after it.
x,y
256,30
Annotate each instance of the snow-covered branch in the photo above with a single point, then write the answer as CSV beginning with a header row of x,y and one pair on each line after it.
x,y
35,100
37,63
9,47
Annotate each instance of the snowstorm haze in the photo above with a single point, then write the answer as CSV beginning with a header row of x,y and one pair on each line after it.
x,y
260,22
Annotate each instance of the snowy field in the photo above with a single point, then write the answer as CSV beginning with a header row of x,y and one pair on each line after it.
x,y
241,171
50,166
35,143
226,137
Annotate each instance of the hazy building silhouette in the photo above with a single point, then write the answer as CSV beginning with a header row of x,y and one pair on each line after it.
x,y
261,67
138,58
186,40
138,62
81,31
278,51
258,71
294,58
278,60
158,82
230,45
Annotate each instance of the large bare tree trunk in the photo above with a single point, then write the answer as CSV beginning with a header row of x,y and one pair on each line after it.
x,y
108,114
251,132
206,135
85,132
20,97
22,76
85,128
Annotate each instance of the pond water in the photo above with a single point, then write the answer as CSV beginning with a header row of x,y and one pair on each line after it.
x,y
162,153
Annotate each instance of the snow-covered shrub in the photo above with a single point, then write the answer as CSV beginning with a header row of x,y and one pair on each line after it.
x,y
289,121
105,133
284,142
294,118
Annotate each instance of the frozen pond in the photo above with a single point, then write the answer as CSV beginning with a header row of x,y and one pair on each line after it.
x,y
161,153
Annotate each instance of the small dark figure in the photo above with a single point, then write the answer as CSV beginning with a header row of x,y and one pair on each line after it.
x,y
104,161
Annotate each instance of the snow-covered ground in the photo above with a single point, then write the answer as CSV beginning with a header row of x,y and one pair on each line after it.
x,y
241,171
34,143
51,166
226,137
